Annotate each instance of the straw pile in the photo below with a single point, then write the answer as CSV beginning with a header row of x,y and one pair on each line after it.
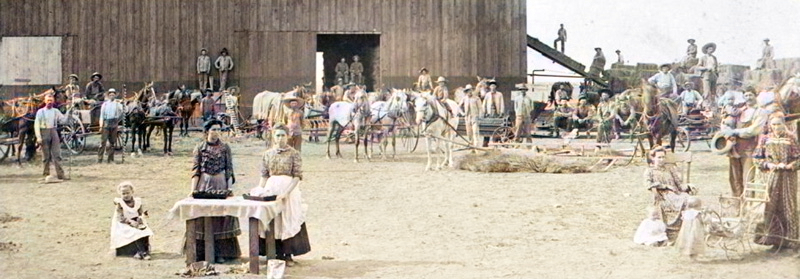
x,y
522,161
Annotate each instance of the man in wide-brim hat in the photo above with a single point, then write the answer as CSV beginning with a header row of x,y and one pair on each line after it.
x,y
424,80
72,90
708,66
441,92
294,119
94,89
709,45
665,82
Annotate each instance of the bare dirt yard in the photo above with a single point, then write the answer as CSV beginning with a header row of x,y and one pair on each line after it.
x,y
379,219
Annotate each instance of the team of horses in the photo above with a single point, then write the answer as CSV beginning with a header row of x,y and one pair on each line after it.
x,y
371,117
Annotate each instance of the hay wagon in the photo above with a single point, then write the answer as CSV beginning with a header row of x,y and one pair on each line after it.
x,y
83,123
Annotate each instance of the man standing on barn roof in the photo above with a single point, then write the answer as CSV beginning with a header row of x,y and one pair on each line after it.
x,y
204,70
708,66
562,37
691,55
342,71
620,60
766,61
224,64
665,82
356,71
598,63
94,89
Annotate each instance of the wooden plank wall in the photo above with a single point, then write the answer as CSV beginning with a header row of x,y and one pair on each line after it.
x,y
272,41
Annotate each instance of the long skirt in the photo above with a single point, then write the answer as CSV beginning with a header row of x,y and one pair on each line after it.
x,y
294,246
226,245
290,227
780,213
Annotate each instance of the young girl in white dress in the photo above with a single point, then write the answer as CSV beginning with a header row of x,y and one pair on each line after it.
x,y
691,238
130,234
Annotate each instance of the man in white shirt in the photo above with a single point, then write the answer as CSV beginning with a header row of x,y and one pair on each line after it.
x,y
204,70
665,82
689,98
708,67
45,125
224,64
110,116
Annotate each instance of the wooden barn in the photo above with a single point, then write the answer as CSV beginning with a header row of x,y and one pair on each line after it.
x,y
274,44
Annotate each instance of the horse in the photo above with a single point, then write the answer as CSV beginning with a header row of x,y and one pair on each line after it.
x,y
22,117
184,104
342,114
136,113
438,125
659,115
387,116
161,114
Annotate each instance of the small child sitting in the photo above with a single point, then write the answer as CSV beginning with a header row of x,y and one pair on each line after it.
x,y
130,234
652,231
691,238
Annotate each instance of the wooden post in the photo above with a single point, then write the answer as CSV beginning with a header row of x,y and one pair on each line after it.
x,y
271,253
254,243
209,238
191,242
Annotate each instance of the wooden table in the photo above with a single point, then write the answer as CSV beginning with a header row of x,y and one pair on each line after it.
x,y
260,216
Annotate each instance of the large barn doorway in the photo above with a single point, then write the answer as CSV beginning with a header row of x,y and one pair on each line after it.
x,y
337,46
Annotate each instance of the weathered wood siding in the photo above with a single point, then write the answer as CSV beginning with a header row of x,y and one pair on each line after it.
x,y
273,42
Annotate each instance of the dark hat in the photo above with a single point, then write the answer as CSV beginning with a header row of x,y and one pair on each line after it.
x,y
204,49
209,90
210,123
74,76
597,48
491,81
224,50
96,74
766,40
690,41
665,65
708,45
618,51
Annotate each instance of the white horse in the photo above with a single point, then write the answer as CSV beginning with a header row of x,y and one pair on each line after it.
x,y
438,125
342,114
387,116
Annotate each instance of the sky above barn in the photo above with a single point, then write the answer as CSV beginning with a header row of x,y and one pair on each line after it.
x,y
656,31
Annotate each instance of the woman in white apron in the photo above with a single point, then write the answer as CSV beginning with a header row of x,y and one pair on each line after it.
x,y
281,172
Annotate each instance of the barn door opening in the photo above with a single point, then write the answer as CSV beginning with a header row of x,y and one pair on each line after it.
x,y
337,46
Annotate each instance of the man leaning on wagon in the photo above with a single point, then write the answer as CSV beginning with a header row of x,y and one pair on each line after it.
x,y
110,116
45,124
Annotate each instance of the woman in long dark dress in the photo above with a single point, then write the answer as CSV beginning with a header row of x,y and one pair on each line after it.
x,y
777,152
213,170
281,172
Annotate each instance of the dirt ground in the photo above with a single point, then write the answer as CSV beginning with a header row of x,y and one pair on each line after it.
x,y
379,219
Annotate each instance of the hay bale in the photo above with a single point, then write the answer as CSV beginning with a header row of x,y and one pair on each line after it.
x,y
521,161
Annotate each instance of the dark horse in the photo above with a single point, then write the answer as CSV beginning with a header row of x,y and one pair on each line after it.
x,y
658,115
136,114
183,103
161,116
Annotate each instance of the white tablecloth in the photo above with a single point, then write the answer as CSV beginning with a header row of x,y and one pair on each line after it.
x,y
190,208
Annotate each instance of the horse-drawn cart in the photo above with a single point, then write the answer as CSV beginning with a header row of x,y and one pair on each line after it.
x,y
83,123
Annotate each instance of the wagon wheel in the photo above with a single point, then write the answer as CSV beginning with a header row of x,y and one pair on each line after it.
x,y
502,135
683,140
73,137
409,137
5,149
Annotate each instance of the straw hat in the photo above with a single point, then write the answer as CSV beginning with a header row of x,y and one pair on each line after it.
x,y
441,79
720,144
468,87
423,70
112,90
287,100
708,45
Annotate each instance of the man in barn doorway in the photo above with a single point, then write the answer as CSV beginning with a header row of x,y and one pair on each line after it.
x,y
356,71
94,89
204,70
342,71
224,64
